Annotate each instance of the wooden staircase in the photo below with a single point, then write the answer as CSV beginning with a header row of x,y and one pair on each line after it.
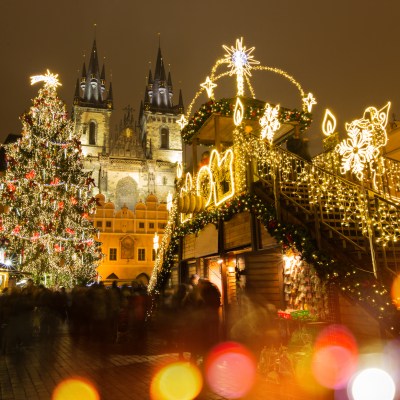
x,y
354,224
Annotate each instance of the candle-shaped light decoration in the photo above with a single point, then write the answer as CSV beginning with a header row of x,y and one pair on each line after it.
x,y
328,123
179,170
238,112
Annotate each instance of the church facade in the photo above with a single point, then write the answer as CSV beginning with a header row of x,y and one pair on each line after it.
x,y
133,167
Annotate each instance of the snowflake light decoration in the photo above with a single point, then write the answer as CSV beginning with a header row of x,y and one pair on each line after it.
x,y
367,136
357,150
269,122
240,61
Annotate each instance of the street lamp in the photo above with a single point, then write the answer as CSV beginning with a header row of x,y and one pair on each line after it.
x,y
155,242
169,201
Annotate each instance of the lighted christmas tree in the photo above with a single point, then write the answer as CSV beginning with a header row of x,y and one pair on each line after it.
x,y
47,230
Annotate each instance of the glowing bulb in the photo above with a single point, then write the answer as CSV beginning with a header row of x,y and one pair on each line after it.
x,y
179,170
373,383
169,201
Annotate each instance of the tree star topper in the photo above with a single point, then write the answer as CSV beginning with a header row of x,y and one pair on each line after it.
x,y
240,60
50,80
209,85
309,101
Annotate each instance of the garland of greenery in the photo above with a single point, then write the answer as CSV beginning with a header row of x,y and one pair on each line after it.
x,y
253,110
357,284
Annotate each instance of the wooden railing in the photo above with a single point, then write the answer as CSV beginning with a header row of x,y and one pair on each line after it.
x,y
366,221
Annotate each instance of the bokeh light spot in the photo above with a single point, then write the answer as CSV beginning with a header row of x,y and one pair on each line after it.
x,y
75,389
333,366
335,357
395,291
230,370
177,381
372,384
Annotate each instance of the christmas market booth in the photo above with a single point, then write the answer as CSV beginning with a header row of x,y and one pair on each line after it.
x,y
280,234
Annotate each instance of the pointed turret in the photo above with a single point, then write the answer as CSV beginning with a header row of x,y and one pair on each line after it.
x,y
181,109
93,83
159,65
169,80
103,79
159,90
141,110
83,77
77,92
146,100
110,97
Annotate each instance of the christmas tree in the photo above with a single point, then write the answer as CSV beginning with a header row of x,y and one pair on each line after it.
x,y
46,229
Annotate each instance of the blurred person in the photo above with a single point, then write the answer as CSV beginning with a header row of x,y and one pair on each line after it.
x,y
256,326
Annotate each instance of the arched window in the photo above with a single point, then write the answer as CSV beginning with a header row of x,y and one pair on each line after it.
x,y
164,138
92,132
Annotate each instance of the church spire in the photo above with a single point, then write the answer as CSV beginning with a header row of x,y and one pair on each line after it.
x,y
93,83
159,91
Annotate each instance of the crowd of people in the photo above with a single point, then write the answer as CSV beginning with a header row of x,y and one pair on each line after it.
x,y
189,318
94,312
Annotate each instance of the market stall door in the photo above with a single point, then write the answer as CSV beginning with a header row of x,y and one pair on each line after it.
x,y
264,277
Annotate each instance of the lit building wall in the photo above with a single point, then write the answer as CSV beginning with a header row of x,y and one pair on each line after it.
x,y
127,237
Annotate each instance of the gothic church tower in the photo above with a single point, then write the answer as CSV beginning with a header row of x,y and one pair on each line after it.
x,y
92,107
160,134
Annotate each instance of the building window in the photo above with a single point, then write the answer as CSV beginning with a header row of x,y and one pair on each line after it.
x,y
108,224
141,225
164,138
151,225
113,254
92,132
161,226
164,180
141,254
99,224
153,255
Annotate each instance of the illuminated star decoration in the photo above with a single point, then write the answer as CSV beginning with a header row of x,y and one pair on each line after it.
x,y
182,121
209,85
50,80
240,60
309,101
269,122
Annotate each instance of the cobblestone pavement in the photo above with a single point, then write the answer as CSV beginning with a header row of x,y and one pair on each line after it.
x,y
118,371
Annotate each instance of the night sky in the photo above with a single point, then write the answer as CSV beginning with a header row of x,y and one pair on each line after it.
x,y
343,51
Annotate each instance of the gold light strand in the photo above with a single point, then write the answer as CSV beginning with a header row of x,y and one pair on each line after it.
x,y
253,94
284,74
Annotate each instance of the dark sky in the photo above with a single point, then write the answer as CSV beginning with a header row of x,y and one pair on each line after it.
x,y
343,51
